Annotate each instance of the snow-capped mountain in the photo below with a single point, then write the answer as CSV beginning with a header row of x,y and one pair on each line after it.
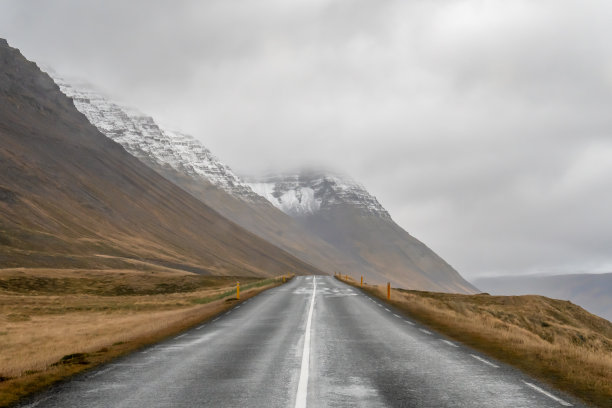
x,y
326,220
345,215
145,139
308,193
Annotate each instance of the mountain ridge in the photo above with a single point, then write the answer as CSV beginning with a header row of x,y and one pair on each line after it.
x,y
72,197
412,264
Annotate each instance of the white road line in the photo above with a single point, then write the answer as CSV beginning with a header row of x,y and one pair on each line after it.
x,y
214,320
548,394
302,391
449,343
398,316
237,307
387,309
484,361
409,322
200,327
379,305
182,335
228,312
425,331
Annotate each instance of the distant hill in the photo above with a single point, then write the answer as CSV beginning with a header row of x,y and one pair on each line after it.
x,y
591,291
72,198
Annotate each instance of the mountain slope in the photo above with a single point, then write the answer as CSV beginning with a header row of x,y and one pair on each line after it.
x,y
346,216
184,161
591,291
71,197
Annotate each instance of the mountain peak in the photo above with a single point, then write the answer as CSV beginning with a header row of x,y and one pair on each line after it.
x,y
311,191
153,144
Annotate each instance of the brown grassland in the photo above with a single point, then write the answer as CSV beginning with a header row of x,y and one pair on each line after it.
x,y
553,340
56,323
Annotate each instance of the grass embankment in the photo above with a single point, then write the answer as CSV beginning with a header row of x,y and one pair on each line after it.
x,y
56,323
552,340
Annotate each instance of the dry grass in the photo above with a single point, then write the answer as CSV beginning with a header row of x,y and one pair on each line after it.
x,y
47,315
552,340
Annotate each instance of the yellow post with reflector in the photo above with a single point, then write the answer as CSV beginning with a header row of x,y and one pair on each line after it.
x,y
388,290
361,280
238,290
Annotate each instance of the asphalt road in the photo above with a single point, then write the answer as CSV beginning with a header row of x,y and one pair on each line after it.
x,y
313,342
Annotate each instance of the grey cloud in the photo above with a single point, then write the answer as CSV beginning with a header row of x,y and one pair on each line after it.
x,y
484,127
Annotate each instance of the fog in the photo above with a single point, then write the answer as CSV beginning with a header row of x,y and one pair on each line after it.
x,y
484,127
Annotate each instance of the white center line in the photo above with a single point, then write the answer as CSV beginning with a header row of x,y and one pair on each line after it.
x,y
398,316
425,331
450,343
387,309
215,319
182,335
200,327
548,394
302,391
409,322
484,361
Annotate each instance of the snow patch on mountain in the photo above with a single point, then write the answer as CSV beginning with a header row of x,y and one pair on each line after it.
x,y
142,137
295,202
309,193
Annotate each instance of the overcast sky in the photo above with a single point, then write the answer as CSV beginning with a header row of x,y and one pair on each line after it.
x,y
484,127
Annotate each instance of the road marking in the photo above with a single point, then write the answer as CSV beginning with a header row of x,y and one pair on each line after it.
x,y
300,399
398,316
215,319
387,309
450,343
237,307
548,394
484,361
200,327
425,331
182,335
409,322
228,312
379,305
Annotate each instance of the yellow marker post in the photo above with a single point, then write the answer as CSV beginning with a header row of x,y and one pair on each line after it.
x,y
361,280
388,290
283,278
238,290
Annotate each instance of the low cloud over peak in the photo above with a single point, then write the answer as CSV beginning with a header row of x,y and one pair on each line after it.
x,y
483,127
